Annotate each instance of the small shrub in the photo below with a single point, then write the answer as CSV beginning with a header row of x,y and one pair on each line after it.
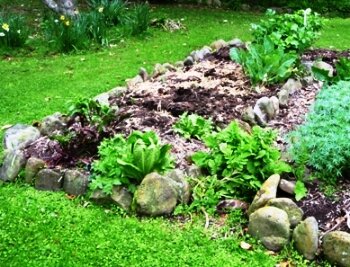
x,y
193,125
126,161
264,63
13,31
138,20
323,141
241,160
292,32
113,11
96,27
66,34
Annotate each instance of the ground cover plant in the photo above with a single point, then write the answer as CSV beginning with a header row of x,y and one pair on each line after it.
x,y
73,82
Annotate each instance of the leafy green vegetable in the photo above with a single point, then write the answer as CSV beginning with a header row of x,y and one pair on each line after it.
x,y
126,161
264,63
242,160
300,190
193,125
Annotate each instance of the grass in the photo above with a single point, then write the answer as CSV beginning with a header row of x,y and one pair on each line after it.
x,y
46,229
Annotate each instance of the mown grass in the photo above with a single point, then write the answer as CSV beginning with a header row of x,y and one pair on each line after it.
x,y
46,229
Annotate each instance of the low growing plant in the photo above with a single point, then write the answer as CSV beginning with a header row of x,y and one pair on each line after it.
x,y
264,63
322,141
13,31
241,160
193,125
126,161
342,72
291,32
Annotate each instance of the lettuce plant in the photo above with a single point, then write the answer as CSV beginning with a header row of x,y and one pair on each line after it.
x,y
126,161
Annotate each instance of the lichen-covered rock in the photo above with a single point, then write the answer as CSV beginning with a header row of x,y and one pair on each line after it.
x,y
155,196
159,69
33,166
267,192
305,237
217,45
54,124
19,136
266,109
121,197
291,86
14,161
131,83
236,42
283,97
179,64
271,226
49,180
75,182
324,66
103,98
295,214
287,186
180,184
336,248
194,171
100,197
249,116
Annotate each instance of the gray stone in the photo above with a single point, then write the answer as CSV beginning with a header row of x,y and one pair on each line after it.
x,y
265,109
54,124
13,163
295,214
217,45
75,182
155,196
189,61
122,197
275,104
179,64
307,80
169,67
19,136
33,166
131,83
49,180
159,70
194,171
143,73
180,184
324,66
267,192
271,226
100,197
336,248
249,116
292,86
283,97
305,237
236,43
103,98
287,186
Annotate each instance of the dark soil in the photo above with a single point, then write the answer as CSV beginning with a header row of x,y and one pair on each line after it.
x,y
214,88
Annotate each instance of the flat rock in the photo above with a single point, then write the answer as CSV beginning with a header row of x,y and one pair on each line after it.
x,y
267,192
33,166
336,248
295,214
271,226
49,180
305,237
13,163
75,182
19,136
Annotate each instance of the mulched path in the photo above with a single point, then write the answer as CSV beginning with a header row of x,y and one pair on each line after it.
x,y
215,88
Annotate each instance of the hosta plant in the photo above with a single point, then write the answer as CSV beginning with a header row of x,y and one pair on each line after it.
x,y
264,63
242,160
126,161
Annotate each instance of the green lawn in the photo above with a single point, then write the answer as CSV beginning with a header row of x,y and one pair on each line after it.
x,y
46,229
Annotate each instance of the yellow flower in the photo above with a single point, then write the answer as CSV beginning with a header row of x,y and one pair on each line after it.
x,y
100,9
62,17
6,27
67,23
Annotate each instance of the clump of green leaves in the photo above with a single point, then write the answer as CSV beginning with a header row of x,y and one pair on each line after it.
x,y
264,63
112,11
242,160
13,31
291,32
126,161
92,112
322,142
193,125
342,72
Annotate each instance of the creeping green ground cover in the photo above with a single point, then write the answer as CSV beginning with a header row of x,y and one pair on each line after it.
x,y
47,229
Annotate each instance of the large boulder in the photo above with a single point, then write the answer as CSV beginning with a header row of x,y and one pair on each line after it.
x,y
305,237
33,166
295,214
156,195
54,124
336,248
49,180
14,161
19,136
271,226
75,182
267,192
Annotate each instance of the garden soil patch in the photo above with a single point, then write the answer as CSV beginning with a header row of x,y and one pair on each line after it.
x,y
214,88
